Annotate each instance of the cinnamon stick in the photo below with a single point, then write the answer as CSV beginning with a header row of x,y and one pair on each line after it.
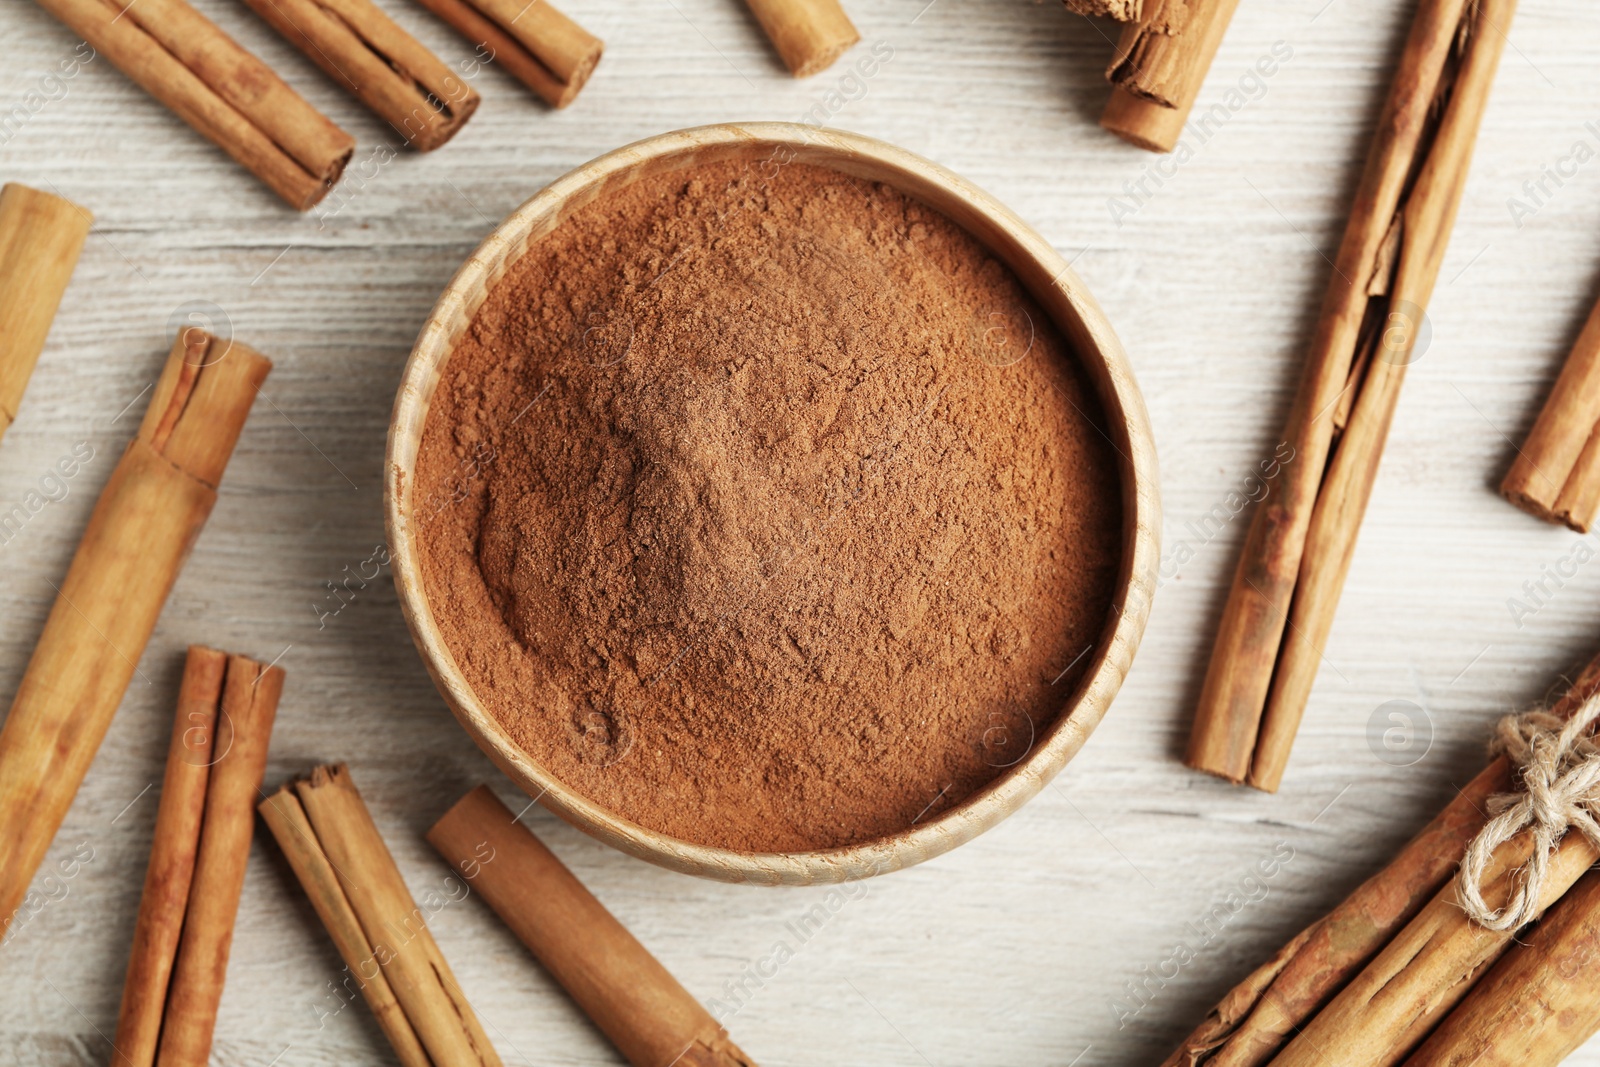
x,y
385,67
1160,63
535,43
1387,1009
1538,1004
406,955
1291,572
625,990
172,856
1556,475
40,238
808,34
182,59
250,693
1257,1017
138,536
286,818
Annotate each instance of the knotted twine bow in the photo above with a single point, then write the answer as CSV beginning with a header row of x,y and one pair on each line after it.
x,y
1558,764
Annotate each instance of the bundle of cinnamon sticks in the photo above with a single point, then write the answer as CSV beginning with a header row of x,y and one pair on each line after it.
x,y
1291,572
336,852
1398,973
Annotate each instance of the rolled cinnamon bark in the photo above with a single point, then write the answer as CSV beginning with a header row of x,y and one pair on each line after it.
x,y
403,948
40,238
172,855
1291,572
625,990
381,64
1257,1017
183,60
1387,1009
286,818
1539,1003
535,43
138,537
1160,64
250,693
1556,474
808,34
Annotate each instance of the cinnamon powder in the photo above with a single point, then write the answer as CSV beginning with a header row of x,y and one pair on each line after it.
x,y
762,506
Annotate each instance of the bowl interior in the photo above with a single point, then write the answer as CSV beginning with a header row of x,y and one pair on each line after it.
x,y
1047,278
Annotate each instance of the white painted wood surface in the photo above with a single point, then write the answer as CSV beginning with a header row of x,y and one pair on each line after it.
x,y
1013,949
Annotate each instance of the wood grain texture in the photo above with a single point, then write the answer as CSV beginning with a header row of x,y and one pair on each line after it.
x,y
1016,947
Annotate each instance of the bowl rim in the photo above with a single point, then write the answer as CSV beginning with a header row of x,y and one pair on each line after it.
x,y
1052,283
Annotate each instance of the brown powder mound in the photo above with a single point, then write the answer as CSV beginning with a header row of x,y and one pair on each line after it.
x,y
764,508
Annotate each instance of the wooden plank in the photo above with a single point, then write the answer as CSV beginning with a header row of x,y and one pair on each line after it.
x,y
1016,948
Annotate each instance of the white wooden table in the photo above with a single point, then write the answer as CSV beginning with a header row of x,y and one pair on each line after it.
x,y
1015,949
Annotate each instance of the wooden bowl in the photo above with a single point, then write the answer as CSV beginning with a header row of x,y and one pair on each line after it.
x,y
1051,282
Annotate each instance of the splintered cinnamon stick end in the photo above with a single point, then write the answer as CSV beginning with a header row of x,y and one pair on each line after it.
x,y
808,34
1160,64
40,239
1120,10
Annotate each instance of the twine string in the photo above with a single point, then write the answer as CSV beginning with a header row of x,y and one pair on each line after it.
x,y
1557,764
